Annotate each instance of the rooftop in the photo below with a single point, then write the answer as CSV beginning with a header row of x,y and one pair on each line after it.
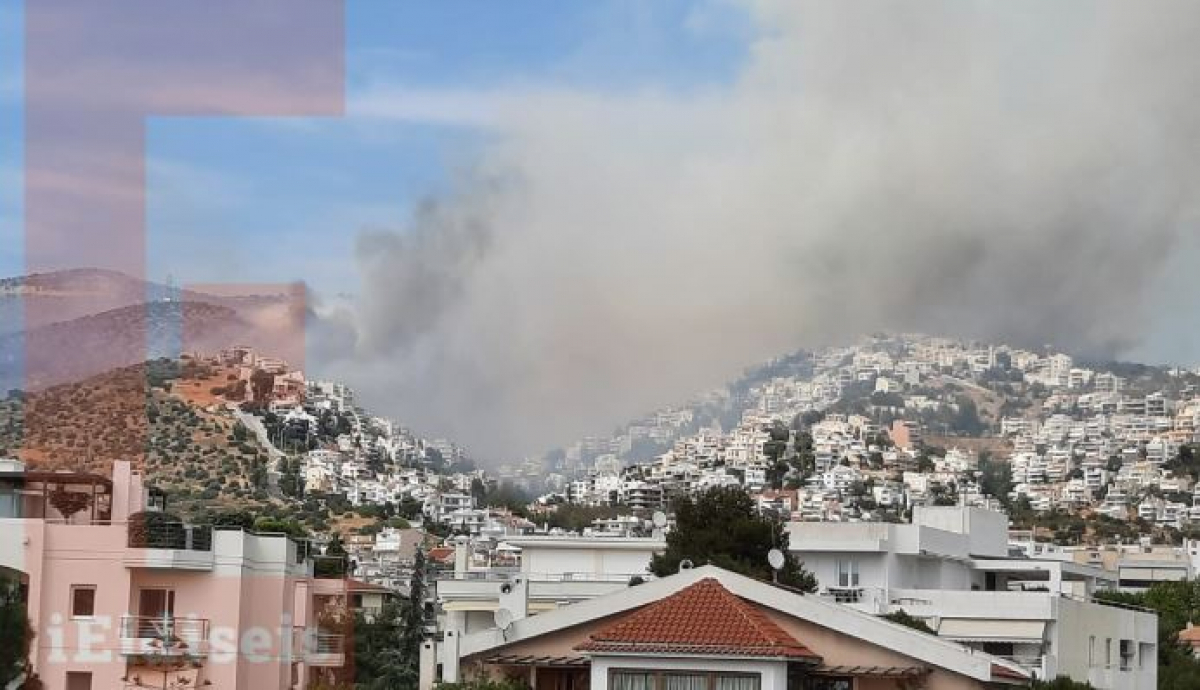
x,y
702,618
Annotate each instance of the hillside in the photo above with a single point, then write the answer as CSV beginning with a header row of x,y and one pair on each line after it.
x,y
197,453
39,299
89,345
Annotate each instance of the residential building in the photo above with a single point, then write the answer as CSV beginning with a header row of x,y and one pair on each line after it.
x,y
553,571
121,596
951,568
710,629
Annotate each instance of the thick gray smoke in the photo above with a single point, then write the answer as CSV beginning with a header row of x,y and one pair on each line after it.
x,y
1019,171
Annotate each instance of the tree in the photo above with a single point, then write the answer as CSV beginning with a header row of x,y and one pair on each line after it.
x,y
334,562
261,385
722,527
291,483
414,620
377,659
995,478
67,503
16,635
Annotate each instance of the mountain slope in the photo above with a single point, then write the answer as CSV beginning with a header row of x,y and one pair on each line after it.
x,y
131,413
76,349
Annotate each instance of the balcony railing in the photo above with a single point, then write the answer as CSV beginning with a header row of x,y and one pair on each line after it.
x,y
318,648
845,595
500,575
165,635
169,535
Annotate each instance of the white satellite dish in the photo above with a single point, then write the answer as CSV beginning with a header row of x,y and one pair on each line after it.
x,y
776,559
660,519
503,618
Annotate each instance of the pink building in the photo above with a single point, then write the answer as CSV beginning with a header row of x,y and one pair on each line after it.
x,y
122,599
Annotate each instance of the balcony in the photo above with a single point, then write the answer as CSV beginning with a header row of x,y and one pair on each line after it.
x,y
480,590
159,636
319,648
160,544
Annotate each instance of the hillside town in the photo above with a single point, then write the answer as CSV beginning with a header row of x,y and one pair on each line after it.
x,y
868,432
997,495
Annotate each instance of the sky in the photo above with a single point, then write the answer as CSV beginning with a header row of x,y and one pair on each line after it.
x,y
308,186
537,220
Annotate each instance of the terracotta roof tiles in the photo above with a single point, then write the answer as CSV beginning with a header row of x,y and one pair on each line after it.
x,y
703,618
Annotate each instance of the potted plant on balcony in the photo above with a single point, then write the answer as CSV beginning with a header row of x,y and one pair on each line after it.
x,y
155,530
68,503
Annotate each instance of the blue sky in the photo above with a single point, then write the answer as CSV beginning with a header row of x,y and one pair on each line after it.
x,y
299,191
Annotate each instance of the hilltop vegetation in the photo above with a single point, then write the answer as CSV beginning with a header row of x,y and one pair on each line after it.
x,y
198,454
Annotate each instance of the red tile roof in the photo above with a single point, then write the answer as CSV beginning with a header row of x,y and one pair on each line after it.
x,y
703,618
441,554
1004,673
1190,634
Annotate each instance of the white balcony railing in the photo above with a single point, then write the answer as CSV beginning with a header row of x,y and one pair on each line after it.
x,y
163,636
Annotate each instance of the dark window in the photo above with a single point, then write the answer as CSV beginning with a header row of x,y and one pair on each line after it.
x,y
79,680
829,683
83,601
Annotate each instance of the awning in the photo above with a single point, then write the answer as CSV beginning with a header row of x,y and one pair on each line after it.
x,y
529,660
871,671
992,630
470,606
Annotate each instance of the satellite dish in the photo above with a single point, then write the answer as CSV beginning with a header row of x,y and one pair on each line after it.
x,y
503,618
685,564
776,559
660,519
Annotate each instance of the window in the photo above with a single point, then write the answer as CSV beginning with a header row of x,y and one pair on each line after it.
x,y
1146,655
1127,655
847,573
83,601
631,680
1091,650
1108,652
682,680
829,683
732,682
79,680
685,681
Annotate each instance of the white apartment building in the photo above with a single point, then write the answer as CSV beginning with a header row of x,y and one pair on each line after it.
x,y
554,571
951,567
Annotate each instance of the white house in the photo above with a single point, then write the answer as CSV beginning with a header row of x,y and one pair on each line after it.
x,y
951,567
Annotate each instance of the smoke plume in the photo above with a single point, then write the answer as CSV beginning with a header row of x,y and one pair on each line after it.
x,y
1019,171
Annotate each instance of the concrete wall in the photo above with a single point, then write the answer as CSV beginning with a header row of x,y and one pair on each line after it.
x,y
1079,622
987,530
595,561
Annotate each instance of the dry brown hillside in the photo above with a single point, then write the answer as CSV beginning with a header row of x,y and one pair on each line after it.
x,y
131,413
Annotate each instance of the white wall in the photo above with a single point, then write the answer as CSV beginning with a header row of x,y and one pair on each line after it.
x,y
596,561
1079,621
987,530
